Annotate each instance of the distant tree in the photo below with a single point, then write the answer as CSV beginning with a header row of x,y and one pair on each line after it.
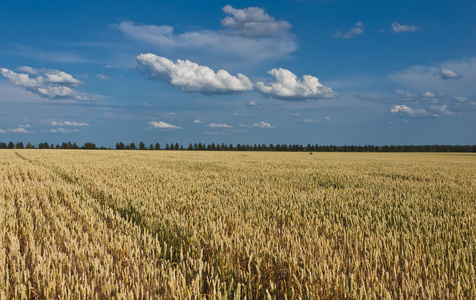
x,y
11,145
151,147
29,146
141,146
89,146
190,147
167,147
120,146
132,146
3,146
157,146
19,145
177,147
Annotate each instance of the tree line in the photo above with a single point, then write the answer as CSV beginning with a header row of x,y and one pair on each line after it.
x,y
248,147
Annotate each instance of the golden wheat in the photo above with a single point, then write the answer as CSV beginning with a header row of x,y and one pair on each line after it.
x,y
178,224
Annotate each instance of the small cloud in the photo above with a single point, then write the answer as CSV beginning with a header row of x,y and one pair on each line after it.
x,y
103,77
254,105
19,130
358,29
447,74
191,77
51,84
197,121
396,28
428,95
295,115
286,86
253,22
2,131
162,125
169,115
404,110
213,125
28,70
214,133
262,124
62,130
441,110
68,123
321,120
406,94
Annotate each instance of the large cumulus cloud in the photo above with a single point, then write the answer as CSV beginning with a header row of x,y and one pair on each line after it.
x,y
51,84
192,77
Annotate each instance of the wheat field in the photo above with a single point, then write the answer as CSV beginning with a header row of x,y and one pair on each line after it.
x,y
235,225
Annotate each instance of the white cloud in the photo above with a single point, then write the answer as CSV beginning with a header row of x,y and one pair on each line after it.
x,y
27,69
62,130
428,94
19,130
2,131
197,121
163,125
406,94
60,78
103,77
404,110
51,84
396,28
441,110
323,119
213,125
262,124
448,74
244,40
358,29
253,22
429,77
214,133
254,105
286,86
191,77
68,123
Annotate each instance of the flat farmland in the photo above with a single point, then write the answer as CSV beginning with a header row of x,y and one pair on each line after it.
x,y
222,225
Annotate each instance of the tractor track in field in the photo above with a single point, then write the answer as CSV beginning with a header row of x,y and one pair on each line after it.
x,y
128,213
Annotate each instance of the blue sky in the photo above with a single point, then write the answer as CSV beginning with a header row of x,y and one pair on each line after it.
x,y
295,72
